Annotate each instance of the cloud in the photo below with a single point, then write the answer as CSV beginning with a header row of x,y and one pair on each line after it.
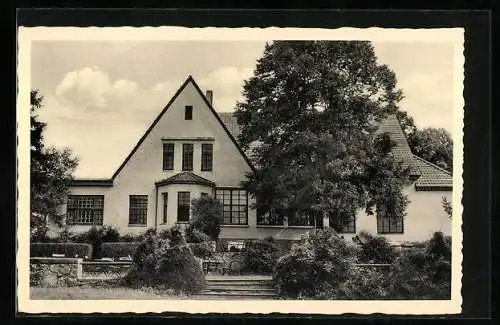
x,y
227,85
92,87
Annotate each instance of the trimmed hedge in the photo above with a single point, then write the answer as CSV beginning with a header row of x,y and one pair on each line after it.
x,y
68,249
118,249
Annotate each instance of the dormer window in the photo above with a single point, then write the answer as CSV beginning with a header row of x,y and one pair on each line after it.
x,y
188,113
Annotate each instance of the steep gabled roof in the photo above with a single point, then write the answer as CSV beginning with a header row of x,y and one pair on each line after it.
x,y
185,178
179,91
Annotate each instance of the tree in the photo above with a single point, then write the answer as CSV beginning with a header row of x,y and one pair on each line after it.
x,y
207,216
313,108
434,145
51,171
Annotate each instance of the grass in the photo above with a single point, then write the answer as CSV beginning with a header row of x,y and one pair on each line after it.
x,y
88,292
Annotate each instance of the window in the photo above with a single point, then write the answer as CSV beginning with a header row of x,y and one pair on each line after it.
x,y
188,112
270,218
343,223
165,206
234,205
85,210
138,209
388,225
168,156
301,219
187,156
183,203
207,150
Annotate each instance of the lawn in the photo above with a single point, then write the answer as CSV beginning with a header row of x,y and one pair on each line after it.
x,y
80,293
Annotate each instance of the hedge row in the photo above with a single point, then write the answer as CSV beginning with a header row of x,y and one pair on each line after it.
x,y
67,249
119,249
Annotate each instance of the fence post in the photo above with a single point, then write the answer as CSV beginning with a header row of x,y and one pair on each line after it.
x,y
79,269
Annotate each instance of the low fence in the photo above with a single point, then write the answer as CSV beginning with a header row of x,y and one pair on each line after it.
x,y
67,272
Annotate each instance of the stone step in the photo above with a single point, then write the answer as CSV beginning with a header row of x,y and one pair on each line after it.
x,y
231,297
241,282
238,294
239,289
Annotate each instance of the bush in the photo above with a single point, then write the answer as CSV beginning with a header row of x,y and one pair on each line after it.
x,y
194,235
363,283
375,249
119,249
417,275
207,216
164,260
204,250
96,236
261,256
68,249
439,247
128,238
65,236
39,234
315,267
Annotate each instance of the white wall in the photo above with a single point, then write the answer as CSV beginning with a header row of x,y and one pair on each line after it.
x,y
425,215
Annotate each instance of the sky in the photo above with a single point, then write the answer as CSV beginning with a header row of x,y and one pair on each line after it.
x,y
100,97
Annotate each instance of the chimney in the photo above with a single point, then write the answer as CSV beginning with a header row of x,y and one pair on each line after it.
x,y
209,95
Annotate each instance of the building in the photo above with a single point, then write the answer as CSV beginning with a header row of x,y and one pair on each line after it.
x,y
190,151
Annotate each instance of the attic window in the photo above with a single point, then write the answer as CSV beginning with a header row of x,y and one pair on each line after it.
x,y
188,113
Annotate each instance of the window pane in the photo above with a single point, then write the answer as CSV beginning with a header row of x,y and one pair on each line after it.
x,y
168,156
187,156
85,209
138,208
165,207
183,204
206,156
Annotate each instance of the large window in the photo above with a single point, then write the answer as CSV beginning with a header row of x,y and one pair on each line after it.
x,y
234,205
168,156
183,204
207,150
85,209
187,156
389,225
343,223
138,209
165,206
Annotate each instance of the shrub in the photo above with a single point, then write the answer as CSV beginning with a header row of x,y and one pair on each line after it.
x,y
96,236
207,216
375,249
163,259
65,236
438,246
315,267
68,249
194,235
39,234
127,238
363,283
416,275
119,249
202,250
261,256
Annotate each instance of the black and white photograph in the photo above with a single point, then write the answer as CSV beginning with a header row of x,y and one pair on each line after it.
x,y
240,170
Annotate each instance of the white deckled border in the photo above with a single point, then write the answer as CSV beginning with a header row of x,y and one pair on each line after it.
x,y
27,35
